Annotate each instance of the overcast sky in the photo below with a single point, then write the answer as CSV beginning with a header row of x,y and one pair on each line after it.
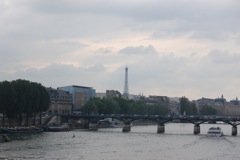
x,y
172,48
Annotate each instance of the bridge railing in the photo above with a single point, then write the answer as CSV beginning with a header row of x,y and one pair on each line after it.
x,y
159,117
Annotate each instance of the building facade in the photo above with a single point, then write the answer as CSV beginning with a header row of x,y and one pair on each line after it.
x,y
80,95
61,102
112,93
222,107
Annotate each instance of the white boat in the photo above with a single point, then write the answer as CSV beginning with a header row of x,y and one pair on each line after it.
x,y
59,128
215,132
108,123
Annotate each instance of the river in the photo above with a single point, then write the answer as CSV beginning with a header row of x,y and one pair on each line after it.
x,y
142,143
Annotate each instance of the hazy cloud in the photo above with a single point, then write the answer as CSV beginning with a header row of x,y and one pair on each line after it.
x,y
138,50
224,57
104,51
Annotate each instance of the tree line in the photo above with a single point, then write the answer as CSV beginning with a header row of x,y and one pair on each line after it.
x,y
22,99
189,108
119,105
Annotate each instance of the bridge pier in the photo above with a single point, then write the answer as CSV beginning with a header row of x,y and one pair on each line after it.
x,y
234,130
126,127
161,128
196,129
93,126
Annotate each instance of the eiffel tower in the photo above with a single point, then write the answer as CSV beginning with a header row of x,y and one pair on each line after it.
x,y
125,91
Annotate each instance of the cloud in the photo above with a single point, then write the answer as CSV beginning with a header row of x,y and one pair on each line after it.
x,y
173,48
104,50
97,68
224,57
214,35
139,50
167,74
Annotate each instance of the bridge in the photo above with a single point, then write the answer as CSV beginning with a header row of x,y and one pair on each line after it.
x,y
161,120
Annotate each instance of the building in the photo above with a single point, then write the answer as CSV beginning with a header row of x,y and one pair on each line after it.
x,y
136,97
204,102
61,102
222,107
235,101
112,94
210,102
172,103
163,99
80,95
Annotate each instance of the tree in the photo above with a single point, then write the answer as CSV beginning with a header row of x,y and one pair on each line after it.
x,y
159,109
21,89
100,105
36,100
20,98
207,110
89,108
187,107
111,106
138,107
123,104
7,100
44,100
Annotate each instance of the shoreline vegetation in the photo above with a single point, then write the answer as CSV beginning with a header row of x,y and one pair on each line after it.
x,y
22,101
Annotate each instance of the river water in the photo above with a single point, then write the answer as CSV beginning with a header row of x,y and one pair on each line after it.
x,y
142,143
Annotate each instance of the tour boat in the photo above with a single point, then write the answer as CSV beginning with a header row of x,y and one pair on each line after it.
x,y
215,132
108,123
105,124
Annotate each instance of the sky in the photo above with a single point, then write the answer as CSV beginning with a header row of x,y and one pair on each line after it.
x,y
172,48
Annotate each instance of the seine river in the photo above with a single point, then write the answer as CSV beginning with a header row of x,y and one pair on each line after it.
x,y
142,143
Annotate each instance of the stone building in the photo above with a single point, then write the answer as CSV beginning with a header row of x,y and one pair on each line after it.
x,y
235,101
222,107
112,94
61,102
233,108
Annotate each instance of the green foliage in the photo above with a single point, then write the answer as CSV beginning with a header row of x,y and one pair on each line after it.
x,y
207,110
90,108
187,107
111,106
122,106
138,107
22,97
7,100
159,109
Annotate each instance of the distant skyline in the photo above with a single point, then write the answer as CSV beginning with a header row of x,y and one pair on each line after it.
x,y
172,48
